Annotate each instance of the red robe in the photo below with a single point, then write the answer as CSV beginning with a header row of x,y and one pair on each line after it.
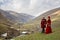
x,y
43,23
48,28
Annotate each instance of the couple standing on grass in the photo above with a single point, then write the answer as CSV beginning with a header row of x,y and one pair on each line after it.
x,y
46,24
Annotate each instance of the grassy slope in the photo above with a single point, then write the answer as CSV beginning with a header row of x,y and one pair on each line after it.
x,y
36,23
4,24
39,36
3,20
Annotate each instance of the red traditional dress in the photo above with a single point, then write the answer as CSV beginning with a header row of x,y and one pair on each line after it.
x,y
48,28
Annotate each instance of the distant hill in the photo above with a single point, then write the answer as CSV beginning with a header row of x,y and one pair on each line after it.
x,y
21,17
14,16
55,17
10,18
6,24
54,13
3,22
50,12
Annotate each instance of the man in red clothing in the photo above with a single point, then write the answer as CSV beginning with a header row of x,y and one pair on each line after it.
x,y
43,24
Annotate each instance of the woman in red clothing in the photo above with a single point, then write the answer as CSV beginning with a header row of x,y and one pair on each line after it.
x,y
48,28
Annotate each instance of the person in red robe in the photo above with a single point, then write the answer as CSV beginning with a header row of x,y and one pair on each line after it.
x,y
48,28
43,24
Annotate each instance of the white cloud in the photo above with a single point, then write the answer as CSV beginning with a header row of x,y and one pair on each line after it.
x,y
1,0
33,7
32,4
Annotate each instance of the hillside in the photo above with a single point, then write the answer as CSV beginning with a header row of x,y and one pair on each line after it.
x,y
16,17
54,13
55,35
39,36
5,26
21,17
49,13
11,18
55,17
3,22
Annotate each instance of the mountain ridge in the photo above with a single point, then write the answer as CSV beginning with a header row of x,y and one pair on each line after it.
x,y
14,16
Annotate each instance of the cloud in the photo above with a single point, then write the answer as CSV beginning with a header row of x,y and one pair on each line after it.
x,y
32,7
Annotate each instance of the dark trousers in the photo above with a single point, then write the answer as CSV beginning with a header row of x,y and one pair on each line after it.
x,y
43,30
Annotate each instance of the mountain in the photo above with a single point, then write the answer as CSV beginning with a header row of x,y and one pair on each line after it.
x,y
11,18
5,14
55,17
50,12
3,22
16,17
6,24
54,13
22,17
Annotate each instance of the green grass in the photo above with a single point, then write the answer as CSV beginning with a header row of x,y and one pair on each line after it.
x,y
39,36
3,28
1,38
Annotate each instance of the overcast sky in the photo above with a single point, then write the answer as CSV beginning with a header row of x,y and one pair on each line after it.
x,y
32,7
